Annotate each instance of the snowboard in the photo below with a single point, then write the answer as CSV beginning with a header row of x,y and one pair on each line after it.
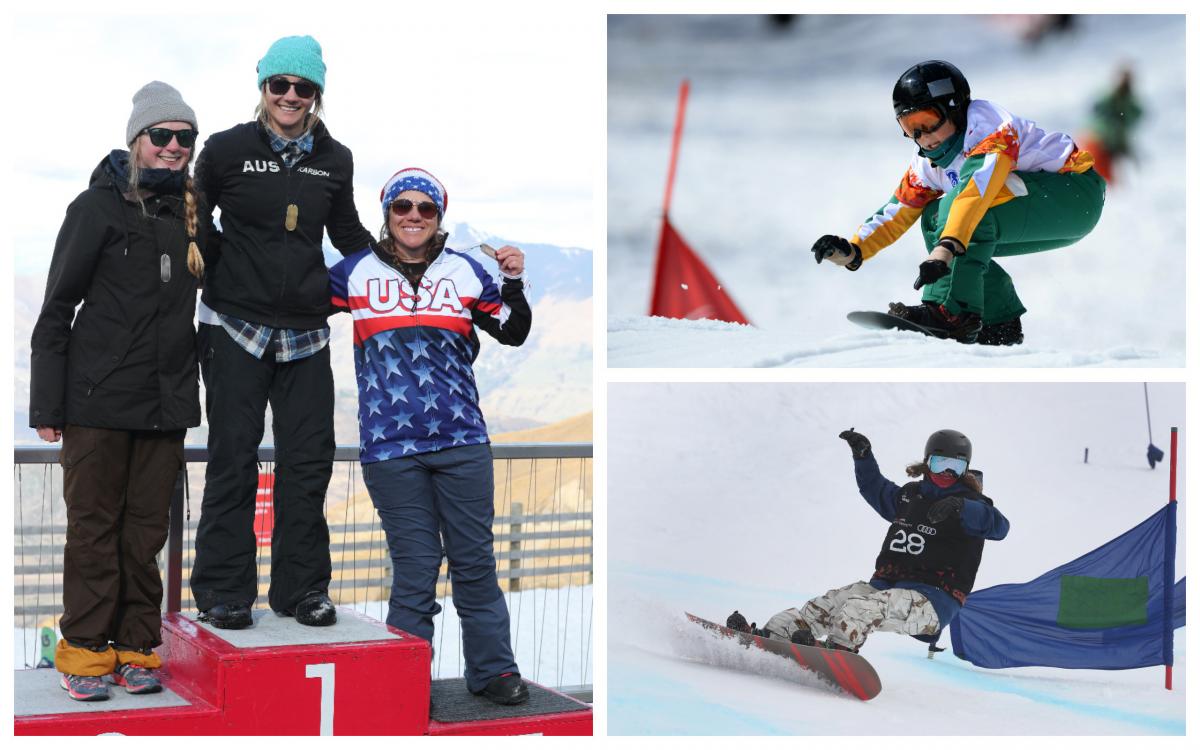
x,y
848,671
886,321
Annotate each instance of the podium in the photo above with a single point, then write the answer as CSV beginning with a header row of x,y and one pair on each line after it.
x,y
358,677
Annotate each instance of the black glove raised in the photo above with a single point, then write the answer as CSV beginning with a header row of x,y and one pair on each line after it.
x,y
945,508
859,445
930,271
838,250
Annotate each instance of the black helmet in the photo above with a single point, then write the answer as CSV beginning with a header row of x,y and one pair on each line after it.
x,y
936,84
948,443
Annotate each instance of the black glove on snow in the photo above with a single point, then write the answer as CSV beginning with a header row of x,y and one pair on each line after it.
x,y
838,250
859,445
930,271
945,508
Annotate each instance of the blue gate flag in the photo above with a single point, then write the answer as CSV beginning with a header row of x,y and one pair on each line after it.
x,y
1113,608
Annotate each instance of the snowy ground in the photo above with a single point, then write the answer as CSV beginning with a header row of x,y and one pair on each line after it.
x,y
790,136
741,497
551,632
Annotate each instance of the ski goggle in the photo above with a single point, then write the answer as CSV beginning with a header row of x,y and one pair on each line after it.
x,y
921,122
279,86
161,137
401,207
938,464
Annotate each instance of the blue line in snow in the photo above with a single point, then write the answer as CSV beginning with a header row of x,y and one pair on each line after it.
x,y
982,681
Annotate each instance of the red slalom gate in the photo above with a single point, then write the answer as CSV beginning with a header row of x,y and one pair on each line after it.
x,y
362,677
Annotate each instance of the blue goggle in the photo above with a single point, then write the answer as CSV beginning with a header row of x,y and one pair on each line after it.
x,y
938,464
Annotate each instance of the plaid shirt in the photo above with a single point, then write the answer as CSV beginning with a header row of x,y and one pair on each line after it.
x,y
291,150
288,345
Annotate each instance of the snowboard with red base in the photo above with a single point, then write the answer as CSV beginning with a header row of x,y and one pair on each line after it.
x,y
848,671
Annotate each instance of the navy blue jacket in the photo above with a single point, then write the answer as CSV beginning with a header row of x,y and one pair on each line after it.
x,y
978,519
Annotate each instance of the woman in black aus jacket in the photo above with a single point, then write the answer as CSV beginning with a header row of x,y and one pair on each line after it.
x,y
279,182
118,383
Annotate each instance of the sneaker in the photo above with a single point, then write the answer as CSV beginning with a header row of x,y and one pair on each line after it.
x,y
136,680
508,689
1007,333
316,610
82,688
963,327
228,616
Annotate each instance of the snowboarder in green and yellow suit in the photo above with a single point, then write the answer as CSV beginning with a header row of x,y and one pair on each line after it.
x,y
984,184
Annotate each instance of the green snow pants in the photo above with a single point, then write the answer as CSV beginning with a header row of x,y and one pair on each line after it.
x,y
1059,210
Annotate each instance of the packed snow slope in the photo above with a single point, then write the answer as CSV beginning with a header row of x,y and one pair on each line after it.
x,y
790,135
742,496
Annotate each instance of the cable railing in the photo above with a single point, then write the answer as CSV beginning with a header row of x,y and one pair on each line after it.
x,y
543,545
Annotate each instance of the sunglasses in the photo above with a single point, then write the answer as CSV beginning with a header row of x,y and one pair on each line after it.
x,y
161,137
279,86
938,464
401,207
922,122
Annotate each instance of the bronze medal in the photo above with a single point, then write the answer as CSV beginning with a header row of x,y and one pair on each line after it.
x,y
292,212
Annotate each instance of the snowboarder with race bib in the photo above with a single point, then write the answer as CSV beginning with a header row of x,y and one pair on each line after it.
x,y
927,565
984,184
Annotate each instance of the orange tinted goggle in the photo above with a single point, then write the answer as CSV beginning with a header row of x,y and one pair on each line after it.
x,y
921,122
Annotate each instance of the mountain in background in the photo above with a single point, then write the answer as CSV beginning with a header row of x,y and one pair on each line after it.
x,y
546,380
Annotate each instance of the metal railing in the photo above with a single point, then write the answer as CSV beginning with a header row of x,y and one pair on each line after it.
x,y
543,544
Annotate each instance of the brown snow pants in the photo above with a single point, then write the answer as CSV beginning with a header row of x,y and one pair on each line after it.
x,y
117,485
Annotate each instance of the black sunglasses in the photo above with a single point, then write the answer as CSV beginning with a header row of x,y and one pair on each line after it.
x,y
427,209
161,137
280,85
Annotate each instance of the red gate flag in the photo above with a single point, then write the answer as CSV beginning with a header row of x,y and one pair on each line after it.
x,y
683,285
264,509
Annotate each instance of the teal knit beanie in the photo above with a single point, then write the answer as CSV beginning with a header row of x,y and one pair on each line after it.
x,y
294,56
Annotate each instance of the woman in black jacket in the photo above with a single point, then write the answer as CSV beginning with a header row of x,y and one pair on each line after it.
x,y
119,386
279,181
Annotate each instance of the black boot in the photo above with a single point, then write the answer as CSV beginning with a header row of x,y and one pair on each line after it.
x,y
803,636
737,622
1007,333
963,328
508,689
316,610
228,616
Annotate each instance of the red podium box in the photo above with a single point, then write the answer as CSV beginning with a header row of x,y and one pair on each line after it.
x,y
358,677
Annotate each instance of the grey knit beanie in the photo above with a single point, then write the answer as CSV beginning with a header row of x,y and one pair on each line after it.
x,y
154,103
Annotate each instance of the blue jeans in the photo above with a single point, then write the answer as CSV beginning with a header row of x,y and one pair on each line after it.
x,y
447,493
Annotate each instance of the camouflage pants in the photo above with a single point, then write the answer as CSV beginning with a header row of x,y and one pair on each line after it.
x,y
849,614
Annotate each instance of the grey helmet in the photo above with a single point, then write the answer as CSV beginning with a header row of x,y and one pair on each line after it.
x,y
949,443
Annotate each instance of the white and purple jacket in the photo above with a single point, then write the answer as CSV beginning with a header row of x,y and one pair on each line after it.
x,y
413,350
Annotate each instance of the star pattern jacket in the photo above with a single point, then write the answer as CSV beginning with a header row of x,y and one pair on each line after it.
x,y
996,146
414,349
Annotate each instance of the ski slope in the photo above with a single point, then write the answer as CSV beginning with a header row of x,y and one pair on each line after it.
x,y
789,136
741,496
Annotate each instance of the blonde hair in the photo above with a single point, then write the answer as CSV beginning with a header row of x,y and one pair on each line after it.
x,y
921,469
191,220
311,118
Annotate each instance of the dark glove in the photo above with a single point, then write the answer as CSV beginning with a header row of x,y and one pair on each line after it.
x,y
859,445
837,250
945,508
931,271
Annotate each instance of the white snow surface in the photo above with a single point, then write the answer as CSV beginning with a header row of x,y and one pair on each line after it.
x,y
741,496
790,136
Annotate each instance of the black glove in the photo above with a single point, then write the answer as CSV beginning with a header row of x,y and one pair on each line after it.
x,y
945,508
859,445
837,250
931,271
